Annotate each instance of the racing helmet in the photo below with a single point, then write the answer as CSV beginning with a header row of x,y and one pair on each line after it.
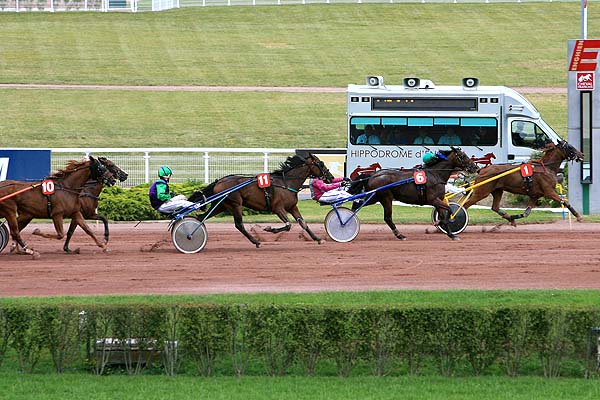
x,y
164,171
428,157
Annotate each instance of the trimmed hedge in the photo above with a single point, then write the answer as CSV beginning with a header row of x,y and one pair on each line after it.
x,y
133,204
276,340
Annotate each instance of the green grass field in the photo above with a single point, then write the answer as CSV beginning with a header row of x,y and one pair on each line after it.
x,y
316,45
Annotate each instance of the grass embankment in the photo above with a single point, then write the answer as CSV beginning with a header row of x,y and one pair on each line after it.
x,y
316,45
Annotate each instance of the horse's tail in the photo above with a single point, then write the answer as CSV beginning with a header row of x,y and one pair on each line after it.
x,y
203,194
359,184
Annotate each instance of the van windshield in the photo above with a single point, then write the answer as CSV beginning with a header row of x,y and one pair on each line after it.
x,y
390,131
528,134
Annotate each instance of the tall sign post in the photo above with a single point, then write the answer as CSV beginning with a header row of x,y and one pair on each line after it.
x,y
583,122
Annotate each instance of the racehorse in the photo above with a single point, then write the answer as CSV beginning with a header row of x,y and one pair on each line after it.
x,y
88,201
431,192
541,184
29,200
280,198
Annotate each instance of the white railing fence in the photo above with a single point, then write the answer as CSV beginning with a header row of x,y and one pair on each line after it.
x,y
158,5
188,164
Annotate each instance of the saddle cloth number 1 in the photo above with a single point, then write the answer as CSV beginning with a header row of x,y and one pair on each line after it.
x,y
264,180
420,177
526,170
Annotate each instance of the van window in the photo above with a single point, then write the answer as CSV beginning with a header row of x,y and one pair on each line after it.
x,y
528,134
443,131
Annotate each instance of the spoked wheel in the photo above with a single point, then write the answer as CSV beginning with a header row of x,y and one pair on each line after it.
x,y
189,235
457,224
342,225
4,235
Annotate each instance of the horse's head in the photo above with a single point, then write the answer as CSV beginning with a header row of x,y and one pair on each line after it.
x,y
460,160
317,168
100,173
569,152
114,169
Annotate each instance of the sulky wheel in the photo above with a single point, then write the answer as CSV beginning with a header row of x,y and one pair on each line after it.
x,y
458,223
189,235
342,225
4,235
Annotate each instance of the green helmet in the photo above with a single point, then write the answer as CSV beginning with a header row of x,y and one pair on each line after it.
x,y
428,157
164,171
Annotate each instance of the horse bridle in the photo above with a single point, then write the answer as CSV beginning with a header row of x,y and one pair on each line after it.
x,y
461,157
568,150
100,171
322,168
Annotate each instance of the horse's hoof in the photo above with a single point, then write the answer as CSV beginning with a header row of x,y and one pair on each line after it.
x,y
321,241
257,245
35,255
267,229
579,219
455,238
36,231
401,237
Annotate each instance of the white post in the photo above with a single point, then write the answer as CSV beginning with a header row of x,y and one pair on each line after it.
x,y
51,5
85,5
206,157
146,167
266,162
584,19
17,5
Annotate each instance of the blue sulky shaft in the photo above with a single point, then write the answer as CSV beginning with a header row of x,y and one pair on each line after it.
x,y
368,195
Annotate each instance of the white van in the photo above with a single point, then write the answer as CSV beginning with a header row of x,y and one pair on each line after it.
x,y
395,125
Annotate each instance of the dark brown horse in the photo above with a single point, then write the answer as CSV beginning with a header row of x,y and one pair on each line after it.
x,y
88,201
541,184
28,200
280,198
432,192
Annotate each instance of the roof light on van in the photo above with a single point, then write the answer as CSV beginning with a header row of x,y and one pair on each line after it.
x,y
470,83
412,83
375,81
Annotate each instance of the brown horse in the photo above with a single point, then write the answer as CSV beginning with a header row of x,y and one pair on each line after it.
x,y
280,198
88,201
431,192
541,184
29,201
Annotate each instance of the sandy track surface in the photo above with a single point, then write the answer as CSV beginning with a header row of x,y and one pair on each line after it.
x,y
142,259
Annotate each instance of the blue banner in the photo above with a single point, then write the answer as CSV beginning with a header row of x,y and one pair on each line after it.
x,y
24,165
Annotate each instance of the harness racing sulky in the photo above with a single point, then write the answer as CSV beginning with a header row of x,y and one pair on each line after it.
x,y
275,192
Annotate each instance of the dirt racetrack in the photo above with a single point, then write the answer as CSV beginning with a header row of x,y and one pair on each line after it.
x,y
557,255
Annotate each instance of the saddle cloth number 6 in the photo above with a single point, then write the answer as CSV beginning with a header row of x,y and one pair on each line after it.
x,y
420,177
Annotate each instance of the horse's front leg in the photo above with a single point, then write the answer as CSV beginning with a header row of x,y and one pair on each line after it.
x,y
552,195
239,224
387,217
444,212
77,219
298,217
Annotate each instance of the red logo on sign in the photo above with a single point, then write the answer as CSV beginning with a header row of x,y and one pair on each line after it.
x,y
264,180
585,55
585,81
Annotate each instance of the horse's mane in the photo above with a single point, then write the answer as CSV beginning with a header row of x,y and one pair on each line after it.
x,y
289,164
72,166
